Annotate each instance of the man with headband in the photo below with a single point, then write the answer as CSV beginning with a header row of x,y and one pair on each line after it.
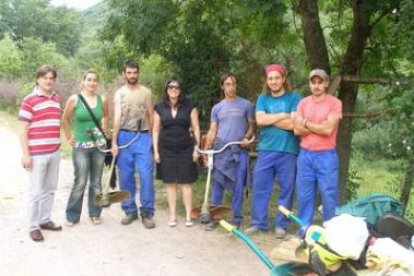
x,y
277,150
317,125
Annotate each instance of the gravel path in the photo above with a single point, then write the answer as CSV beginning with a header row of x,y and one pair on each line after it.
x,y
110,248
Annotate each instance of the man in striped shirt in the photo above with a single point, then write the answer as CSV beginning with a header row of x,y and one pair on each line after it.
x,y
39,118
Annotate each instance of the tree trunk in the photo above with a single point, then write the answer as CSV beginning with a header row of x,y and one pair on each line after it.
x,y
407,183
313,37
348,92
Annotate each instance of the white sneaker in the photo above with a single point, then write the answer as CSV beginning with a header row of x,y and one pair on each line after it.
x,y
189,223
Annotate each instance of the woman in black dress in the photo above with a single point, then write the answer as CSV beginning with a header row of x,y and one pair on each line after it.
x,y
174,146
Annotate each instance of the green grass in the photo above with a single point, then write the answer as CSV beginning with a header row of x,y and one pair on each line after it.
x,y
384,176
379,176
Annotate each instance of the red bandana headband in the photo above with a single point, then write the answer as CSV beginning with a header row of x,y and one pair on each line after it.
x,y
275,67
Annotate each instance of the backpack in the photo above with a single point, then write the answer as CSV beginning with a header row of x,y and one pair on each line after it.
x,y
371,207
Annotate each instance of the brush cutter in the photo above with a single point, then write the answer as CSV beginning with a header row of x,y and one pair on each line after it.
x,y
285,269
321,257
207,212
106,198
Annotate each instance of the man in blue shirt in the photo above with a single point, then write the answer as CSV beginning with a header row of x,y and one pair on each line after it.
x,y
277,150
231,120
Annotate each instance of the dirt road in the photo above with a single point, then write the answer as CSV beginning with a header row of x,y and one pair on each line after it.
x,y
109,248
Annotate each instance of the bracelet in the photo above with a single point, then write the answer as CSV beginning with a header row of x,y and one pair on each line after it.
x,y
304,121
305,124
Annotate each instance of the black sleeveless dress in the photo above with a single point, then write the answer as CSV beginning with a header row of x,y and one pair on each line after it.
x,y
176,145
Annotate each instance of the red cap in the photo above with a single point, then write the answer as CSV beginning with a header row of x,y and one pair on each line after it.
x,y
275,67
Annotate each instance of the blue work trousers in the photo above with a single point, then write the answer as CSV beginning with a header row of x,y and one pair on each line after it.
x,y
271,164
317,171
138,155
237,189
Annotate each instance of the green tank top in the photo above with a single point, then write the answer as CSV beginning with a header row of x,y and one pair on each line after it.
x,y
86,134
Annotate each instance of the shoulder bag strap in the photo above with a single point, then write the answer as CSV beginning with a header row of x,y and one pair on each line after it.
x,y
98,125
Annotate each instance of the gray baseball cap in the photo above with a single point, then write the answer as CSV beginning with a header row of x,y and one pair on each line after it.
x,y
320,73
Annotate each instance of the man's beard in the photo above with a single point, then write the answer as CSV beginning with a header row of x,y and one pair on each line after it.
x,y
230,94
280,89
132,81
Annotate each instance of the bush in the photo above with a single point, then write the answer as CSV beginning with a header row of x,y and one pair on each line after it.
x,y
9,94
373,141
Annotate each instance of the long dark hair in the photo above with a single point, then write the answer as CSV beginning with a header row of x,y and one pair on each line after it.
x,y
181,97
287,84
223,78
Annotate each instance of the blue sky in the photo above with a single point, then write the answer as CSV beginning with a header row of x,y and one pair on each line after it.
x,y
78,4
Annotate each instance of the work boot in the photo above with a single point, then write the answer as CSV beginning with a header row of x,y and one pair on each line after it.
x,y
148,221
211,225
251,230
236,224
280,233
129,219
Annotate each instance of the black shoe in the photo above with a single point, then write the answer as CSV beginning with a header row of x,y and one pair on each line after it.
x,y
237,225
211,225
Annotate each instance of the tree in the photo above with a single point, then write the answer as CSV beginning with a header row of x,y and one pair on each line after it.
x,y
11,62
403,133
200,38
36,18
366,15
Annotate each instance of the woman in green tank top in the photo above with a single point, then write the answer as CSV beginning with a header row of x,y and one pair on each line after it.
x,y
85,137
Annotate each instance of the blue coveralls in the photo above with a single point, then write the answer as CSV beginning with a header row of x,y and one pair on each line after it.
x,y
317,171
268,166
138,155
277,153
232,177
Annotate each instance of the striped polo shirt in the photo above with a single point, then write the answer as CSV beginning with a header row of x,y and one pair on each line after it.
x,y
43,114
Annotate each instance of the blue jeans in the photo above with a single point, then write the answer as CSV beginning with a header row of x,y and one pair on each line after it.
x,y
271,164
317,170
237,191
88,165
138,155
